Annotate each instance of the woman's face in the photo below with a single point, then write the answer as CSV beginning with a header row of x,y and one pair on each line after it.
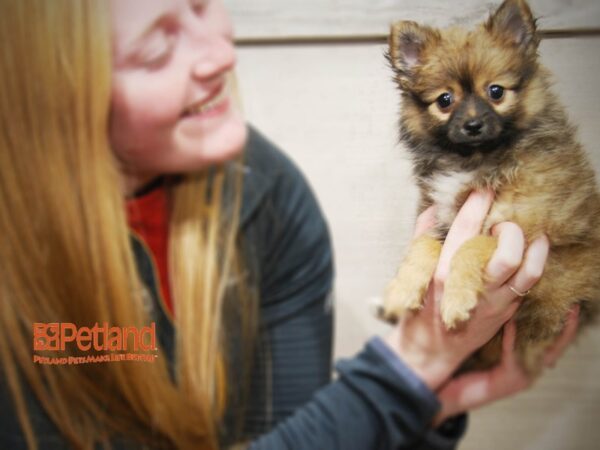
x,y
172,109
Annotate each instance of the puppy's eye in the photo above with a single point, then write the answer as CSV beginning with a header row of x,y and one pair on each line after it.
x,y
495,92
444,100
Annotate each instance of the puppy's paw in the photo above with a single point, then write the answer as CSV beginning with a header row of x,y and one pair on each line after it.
x,y
401,295
466,280
407,289
456,306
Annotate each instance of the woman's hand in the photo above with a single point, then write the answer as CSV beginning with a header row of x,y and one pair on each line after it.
x,y
421,339
476,389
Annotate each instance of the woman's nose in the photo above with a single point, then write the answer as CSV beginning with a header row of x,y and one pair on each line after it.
x,y
217,58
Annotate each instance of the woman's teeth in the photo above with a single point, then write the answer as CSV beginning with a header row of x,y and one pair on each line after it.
x,y
205,107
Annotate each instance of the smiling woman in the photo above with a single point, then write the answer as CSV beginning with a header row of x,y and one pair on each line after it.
x,y
171,100
133,194
63,213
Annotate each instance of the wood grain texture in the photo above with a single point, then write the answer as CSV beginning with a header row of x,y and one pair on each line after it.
x,y
351,18
333,109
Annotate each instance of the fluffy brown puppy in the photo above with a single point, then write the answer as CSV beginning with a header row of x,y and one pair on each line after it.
x,y
478,112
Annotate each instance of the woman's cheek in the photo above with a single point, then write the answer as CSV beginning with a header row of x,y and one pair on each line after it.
x,y
141,93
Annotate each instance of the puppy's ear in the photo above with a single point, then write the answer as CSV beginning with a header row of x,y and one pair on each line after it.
x,y
407,42
513,20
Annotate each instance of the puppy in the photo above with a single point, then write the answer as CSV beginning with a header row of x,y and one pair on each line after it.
x,y
478,112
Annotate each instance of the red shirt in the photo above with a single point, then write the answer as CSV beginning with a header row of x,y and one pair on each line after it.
x,y
148,217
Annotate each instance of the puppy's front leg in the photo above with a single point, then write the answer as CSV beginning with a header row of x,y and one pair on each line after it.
x,y
466,279
405,292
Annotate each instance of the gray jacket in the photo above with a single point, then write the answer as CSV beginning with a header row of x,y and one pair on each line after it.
x,y
376,402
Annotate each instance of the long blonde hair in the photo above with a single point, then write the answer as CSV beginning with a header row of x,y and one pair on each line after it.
x,y
65,248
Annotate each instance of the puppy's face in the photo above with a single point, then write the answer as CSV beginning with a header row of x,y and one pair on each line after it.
x,y
468,90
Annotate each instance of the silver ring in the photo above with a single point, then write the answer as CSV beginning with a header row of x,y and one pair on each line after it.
x,y
520,294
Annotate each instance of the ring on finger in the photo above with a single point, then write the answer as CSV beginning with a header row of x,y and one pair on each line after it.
x,y
517,292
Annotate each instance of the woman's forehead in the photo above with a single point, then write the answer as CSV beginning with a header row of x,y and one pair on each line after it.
x,y
132,19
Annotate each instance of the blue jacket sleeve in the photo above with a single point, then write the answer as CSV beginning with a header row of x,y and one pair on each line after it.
x,y
370,406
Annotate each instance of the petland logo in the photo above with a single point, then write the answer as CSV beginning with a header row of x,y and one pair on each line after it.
x,y
129,343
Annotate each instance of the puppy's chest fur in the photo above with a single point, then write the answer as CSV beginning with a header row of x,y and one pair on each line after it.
x,y
448,190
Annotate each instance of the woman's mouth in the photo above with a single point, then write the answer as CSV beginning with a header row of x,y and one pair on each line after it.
x,y
214,105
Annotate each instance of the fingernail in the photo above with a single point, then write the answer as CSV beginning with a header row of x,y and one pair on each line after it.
x,y
488,195
481,194
494,231
479,199
539,247
574,311
542,239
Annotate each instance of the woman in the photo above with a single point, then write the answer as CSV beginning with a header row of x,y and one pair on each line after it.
x,y
127,199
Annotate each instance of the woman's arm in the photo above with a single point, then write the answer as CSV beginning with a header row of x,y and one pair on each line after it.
x,y
385,397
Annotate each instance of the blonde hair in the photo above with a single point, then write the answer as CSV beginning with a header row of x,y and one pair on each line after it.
x,y
65,249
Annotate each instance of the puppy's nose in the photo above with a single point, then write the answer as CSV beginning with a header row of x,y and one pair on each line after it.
x,y
473,127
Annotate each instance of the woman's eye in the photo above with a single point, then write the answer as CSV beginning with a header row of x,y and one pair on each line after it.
x,y
445,100
154,58
495,92
156,52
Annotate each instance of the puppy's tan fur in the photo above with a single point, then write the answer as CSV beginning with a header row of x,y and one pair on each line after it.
x,y
528,154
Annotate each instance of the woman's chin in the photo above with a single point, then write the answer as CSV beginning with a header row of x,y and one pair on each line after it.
x,y
218,145
225,144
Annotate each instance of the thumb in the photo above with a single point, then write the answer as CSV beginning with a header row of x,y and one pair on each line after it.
x,y
464,393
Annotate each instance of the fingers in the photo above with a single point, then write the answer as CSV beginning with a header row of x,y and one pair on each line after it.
x,y
467,224
475,389
425,221
531,269
509,361
508,340
566,337
508,255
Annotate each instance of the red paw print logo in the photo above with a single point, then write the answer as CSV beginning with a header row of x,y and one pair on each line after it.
x,y
46,336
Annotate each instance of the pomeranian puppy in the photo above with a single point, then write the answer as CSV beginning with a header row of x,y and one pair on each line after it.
x,y
478,112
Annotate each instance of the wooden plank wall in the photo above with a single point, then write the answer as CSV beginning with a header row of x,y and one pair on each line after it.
x,y
313,78
269,20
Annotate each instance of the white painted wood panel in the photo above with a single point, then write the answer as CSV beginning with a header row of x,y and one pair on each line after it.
x,y
291,18
333,108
